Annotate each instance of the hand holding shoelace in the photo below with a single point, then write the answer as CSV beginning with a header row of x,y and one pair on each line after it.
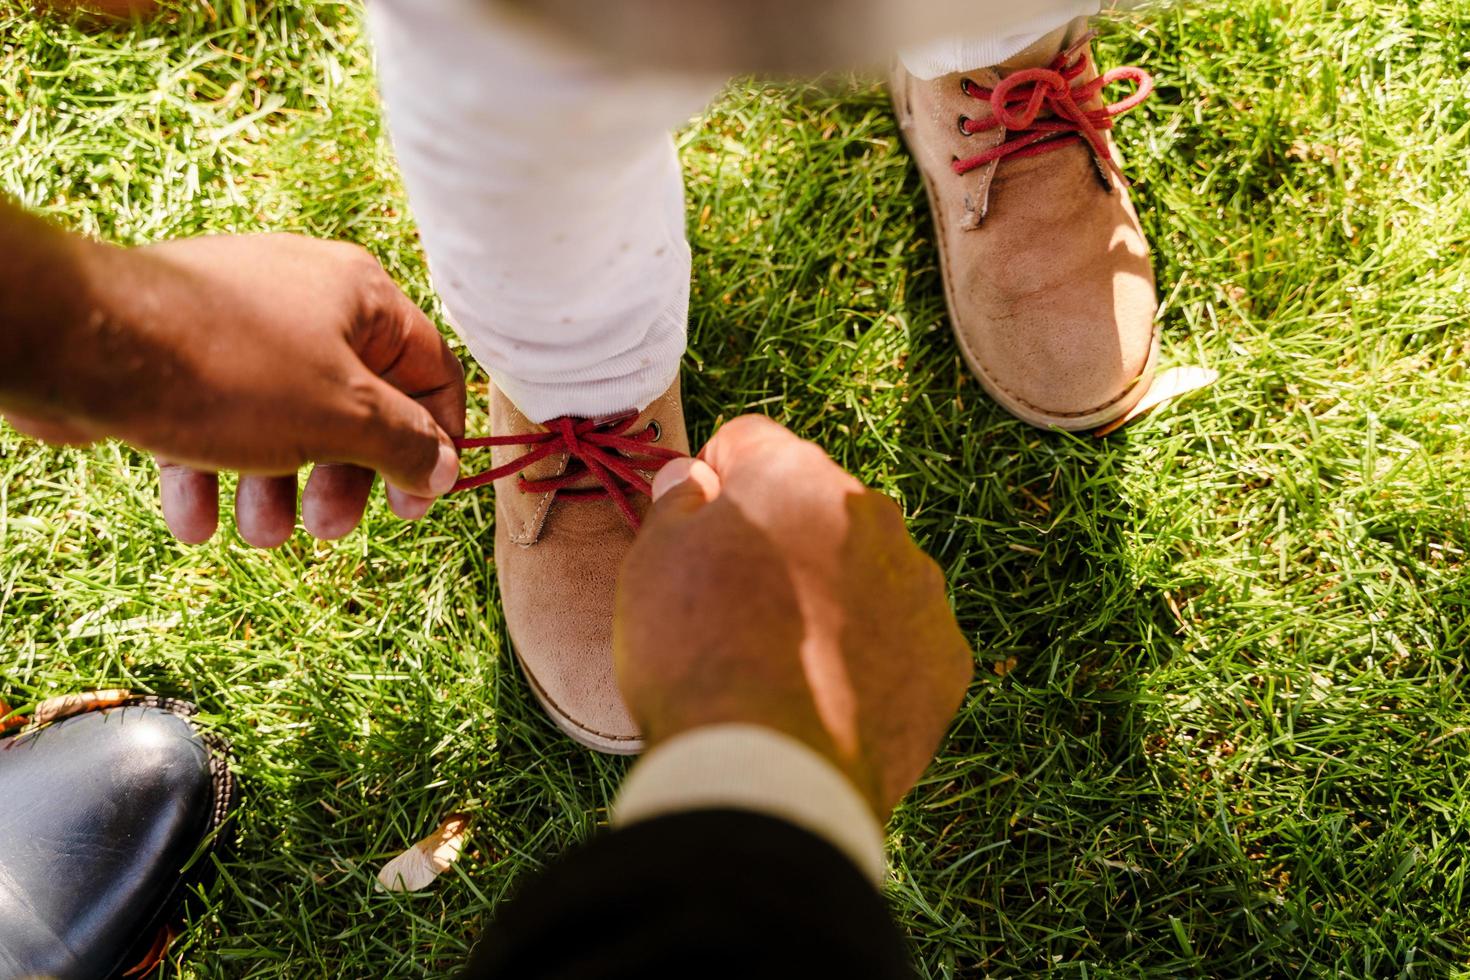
x,y
769,587
254,353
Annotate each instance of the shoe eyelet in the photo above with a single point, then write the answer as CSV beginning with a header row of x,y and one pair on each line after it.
x,y
963,131
656,429
965,86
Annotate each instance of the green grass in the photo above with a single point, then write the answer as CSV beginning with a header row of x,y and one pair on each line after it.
x,y
1229,734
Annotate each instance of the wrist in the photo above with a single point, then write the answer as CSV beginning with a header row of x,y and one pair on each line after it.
x,y
83,330
48,301
755,768
812,735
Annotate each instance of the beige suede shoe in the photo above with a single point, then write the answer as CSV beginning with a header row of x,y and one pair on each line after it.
x,y
568,497
1045,267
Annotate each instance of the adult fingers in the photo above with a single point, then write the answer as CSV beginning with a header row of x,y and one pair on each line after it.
x,y
686,475
762,462
407,506
385,430
51,431
265,509
190,500
401,345
744,440
682,487
397,342
334,499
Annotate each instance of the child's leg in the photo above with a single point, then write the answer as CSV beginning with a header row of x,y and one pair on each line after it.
x,y
550,201
546,187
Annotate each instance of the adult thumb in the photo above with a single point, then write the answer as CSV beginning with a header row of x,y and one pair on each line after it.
x,y
400,439
683,486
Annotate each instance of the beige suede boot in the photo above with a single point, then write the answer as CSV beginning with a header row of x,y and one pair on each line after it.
x,y
1045,267
568,498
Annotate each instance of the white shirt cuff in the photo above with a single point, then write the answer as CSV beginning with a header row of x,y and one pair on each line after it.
x,y
749,767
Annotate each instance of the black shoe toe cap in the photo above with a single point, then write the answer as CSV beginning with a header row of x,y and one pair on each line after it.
x,y
98,815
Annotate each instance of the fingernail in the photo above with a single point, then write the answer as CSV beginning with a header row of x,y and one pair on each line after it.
x,y
408,506
674,472
446,471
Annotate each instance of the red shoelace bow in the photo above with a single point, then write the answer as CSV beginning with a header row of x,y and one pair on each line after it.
x,y
1018,101
602,447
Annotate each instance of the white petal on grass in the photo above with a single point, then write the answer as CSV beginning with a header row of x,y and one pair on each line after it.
x,y
1173,383
416,868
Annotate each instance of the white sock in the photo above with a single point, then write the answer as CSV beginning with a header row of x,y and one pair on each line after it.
x,y
948,55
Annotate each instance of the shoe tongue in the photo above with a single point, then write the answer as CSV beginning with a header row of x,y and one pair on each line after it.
x,y
587,482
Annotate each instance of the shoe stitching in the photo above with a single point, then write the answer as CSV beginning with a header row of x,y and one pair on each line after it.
x,y
528,533
536,520
563,714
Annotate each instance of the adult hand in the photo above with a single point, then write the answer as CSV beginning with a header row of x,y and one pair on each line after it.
x,y
257,353
770,587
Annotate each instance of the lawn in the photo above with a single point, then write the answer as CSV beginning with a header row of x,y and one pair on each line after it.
x,y
1219,726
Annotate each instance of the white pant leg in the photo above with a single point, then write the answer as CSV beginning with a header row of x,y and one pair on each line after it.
x,y
1016,31
549,199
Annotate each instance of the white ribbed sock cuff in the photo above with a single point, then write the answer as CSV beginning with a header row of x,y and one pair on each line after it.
x,y
625,383
946,56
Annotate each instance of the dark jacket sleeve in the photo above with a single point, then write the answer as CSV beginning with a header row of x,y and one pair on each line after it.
x,y
706,894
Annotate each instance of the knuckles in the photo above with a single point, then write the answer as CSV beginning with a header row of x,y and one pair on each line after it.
x,y
378,298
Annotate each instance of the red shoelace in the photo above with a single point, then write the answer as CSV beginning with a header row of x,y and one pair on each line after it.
x,y
1018,101
602,447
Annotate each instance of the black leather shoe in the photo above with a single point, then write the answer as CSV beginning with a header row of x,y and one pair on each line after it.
x,y
99,814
